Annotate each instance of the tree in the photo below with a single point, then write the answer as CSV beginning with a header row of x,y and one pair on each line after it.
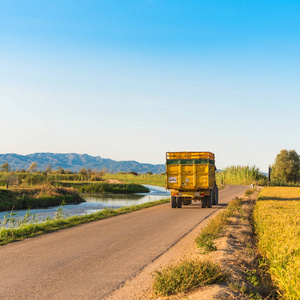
x,y
33,167
5,167
287,166
61,170
133,173
82,171
48,169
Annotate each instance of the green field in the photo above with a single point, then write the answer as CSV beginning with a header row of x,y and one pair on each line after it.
x,y
153,179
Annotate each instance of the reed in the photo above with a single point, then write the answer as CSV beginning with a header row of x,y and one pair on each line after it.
x,y
241,175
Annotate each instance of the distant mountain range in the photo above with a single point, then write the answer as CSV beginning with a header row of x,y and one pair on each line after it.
x,y
74,162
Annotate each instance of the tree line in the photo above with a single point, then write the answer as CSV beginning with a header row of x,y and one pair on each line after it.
x,y
33,168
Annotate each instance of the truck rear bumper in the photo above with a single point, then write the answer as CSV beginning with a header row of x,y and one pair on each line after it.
x,y
190,194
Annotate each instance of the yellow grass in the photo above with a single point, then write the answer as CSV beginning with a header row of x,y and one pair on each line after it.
x,y
277,225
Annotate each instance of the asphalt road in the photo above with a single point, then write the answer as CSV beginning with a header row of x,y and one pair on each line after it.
x,y
91,260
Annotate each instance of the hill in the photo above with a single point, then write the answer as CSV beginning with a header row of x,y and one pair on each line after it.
x,y
74,162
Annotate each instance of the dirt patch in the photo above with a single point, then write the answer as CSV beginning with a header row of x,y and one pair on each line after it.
x,y
236,253
113,181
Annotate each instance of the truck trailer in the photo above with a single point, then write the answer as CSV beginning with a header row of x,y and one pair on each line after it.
x,y
191,177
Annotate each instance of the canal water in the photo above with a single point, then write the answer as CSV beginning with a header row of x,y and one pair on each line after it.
x,y
97,202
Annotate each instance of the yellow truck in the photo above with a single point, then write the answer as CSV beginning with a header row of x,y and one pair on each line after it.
x,y
191,176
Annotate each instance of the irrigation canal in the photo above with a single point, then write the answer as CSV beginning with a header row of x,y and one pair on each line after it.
x,y
97,202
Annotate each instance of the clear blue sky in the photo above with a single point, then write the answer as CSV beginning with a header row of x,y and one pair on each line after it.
x,y
130,80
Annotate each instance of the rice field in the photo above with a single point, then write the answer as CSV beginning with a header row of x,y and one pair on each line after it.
x,y
277,225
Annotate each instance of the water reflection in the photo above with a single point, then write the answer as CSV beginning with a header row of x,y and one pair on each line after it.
x,y
98,202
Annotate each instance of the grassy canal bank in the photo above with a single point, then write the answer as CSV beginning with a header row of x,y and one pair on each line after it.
x,y
103,187
39,196
54,194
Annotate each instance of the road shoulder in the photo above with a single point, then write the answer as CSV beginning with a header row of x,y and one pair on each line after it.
x,y
233,255
140,286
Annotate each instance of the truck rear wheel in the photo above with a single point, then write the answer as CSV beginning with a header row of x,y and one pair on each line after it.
x,y
216,195
209,200
179,202
203,202
173,202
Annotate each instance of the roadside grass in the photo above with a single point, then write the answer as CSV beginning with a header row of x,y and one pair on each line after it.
x,y
241,175
249,192
186,276
31,228
205,239
276,223
154,179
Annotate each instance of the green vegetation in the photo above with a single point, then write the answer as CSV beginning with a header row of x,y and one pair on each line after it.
x,y
206,238
241,175
32,179
102,187
39,196
276,222
185,276
286,169
152,179
31,228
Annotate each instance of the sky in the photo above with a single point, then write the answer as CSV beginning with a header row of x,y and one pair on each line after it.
x,y
131,80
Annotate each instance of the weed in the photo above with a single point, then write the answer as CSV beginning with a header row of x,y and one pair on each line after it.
x,y
237,287
249,192
185,276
